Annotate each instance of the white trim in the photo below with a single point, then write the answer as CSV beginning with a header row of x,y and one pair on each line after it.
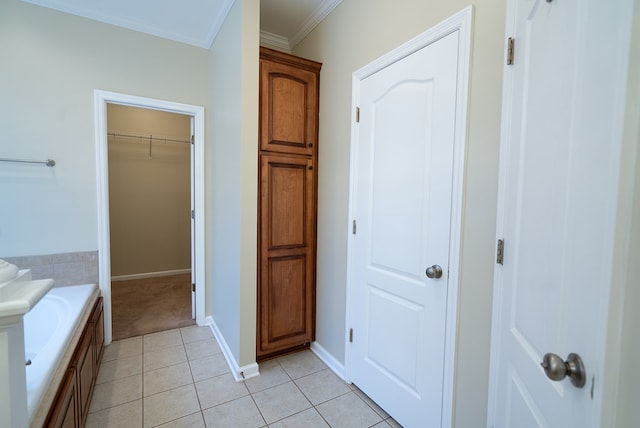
x,y
150,274
462,22
239,373
217,25
329,360
101,98
503,172
325,8
274,41
140,26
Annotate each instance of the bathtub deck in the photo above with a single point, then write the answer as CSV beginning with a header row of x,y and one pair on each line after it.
x,y
181,377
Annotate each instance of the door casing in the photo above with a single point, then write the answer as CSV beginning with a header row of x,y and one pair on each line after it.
x,y
101,99
461,22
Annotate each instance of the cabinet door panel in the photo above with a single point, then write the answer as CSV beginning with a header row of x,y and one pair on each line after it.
x,y
286,214
287,299
288,109
98,322
64,412
85,368
287,253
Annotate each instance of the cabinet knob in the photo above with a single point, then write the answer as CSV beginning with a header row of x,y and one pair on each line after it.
x,y
310,145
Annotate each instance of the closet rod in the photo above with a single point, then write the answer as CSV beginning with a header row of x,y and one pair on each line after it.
x,y
146,138
48,162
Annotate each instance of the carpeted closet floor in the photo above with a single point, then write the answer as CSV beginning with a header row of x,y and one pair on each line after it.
x,y
143,306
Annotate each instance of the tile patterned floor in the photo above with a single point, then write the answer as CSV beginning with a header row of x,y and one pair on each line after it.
x,y
179,378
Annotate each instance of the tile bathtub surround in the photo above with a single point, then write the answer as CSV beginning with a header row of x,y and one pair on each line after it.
x,y
179,378
64,268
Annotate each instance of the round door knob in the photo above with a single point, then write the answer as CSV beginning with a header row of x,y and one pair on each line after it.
x,y
557,369
434,271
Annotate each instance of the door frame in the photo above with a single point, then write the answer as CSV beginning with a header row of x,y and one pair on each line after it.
x,y
101,99
461,22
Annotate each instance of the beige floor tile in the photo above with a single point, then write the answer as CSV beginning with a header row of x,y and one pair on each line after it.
x,y
218,390
170,405
271,374
128,415
382,424
162,339
379,410
348,411
393,423
310,418
208,367
237,413
114,393
118,369
301,364
202,348
122,349
164,357
322,386
280,402
166,378
195,333
191,421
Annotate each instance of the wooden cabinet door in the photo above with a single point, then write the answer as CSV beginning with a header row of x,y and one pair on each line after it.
x,y
288,108
98,335
286,293
64,413
85,371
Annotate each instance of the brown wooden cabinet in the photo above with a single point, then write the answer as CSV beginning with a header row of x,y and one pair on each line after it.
x,y
65,412
71,405
287,202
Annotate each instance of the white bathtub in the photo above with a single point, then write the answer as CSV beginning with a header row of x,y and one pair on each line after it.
x,y
48,330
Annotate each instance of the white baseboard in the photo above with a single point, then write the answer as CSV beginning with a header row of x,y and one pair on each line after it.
x,y
329,360
239,373
150,274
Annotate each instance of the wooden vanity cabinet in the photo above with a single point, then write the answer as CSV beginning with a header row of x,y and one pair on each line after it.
x,y
287,198
65,412
71,405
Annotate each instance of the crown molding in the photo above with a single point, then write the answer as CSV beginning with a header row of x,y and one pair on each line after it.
x,y
314,19
274,41
215,28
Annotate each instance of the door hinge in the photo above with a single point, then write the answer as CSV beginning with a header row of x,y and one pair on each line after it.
x,y
357,114
350,335
193,287
193,214
193,139
353,227
500,252
510,50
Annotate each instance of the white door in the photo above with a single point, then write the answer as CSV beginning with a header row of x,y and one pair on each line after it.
x,y
558,186
403,196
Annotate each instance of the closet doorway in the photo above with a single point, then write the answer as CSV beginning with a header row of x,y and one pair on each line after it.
x,y
149,159
150,172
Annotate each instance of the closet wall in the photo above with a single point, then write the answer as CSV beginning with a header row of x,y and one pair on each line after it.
x,y
149,191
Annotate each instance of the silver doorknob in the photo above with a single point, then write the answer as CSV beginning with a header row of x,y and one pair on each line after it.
x,y
434,271
557,369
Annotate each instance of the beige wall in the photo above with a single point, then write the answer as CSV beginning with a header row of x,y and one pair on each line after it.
x,y
354,34
51,64
149,198
232,181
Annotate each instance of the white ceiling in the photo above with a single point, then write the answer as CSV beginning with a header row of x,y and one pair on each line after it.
x,y
283,23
